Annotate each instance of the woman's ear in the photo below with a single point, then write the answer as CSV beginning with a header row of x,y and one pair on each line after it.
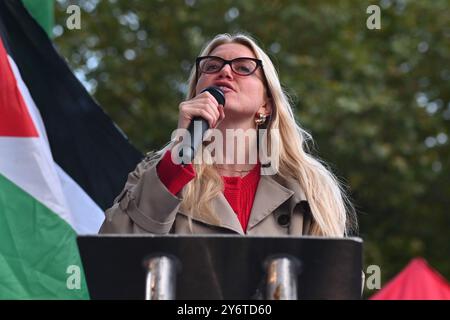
x,y
267,107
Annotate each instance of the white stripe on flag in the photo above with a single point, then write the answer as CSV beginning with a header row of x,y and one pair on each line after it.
x,y
24,162
86,214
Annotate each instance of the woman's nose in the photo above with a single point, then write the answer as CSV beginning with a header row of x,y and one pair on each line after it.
x,y
226,71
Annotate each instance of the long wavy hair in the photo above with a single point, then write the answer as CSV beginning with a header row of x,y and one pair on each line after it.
x,y
332,213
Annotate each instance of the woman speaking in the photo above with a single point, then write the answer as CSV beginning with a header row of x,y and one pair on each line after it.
x,y
299,197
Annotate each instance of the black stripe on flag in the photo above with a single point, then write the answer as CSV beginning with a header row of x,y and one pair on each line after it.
x,y
83,139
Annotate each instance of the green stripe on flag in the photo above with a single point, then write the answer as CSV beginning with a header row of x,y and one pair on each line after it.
x,y
36,249
43,12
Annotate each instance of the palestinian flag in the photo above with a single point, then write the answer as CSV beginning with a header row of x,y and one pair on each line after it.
x,y
62,162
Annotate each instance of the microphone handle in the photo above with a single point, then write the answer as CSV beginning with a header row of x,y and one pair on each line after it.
x,y
196,139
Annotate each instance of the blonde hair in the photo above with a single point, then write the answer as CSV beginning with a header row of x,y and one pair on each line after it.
x,y
331,211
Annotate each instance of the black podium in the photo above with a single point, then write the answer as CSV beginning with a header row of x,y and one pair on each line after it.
x,y
222,266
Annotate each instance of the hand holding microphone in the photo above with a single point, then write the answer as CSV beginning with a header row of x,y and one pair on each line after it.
x,y
206,109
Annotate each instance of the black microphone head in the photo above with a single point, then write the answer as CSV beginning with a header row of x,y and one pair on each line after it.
x,y
216,93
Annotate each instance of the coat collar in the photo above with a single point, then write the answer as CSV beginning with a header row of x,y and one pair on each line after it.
x,y
272,191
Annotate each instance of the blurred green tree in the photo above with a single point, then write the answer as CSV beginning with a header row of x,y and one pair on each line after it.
x,y
377,102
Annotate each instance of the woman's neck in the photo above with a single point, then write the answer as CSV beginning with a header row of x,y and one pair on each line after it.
x,y
238,146
239,150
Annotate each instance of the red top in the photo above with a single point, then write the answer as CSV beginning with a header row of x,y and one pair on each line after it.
x,y
239,191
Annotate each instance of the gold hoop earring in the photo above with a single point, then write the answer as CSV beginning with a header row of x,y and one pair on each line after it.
x,y
260,119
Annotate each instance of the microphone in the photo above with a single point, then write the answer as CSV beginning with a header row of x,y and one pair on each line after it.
x,y
189,151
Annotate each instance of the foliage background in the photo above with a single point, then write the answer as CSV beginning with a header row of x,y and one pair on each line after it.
x,y
377,102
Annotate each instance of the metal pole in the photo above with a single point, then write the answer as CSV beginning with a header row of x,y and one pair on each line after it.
x,y
281,282
160,282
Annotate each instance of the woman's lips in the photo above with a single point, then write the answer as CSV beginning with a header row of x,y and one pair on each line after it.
x,y
225,89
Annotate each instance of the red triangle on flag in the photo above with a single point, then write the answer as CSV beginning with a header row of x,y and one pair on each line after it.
x,y
15,120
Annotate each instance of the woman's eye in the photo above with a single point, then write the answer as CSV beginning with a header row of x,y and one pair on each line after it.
x,y
212,67
244,69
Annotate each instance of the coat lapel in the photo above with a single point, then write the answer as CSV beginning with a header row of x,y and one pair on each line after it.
x,y
269,195
228,218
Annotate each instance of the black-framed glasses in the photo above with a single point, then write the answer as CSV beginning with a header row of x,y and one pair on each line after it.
x,y
242,66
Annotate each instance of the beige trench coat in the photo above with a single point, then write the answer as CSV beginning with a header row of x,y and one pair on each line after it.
x,y
145,205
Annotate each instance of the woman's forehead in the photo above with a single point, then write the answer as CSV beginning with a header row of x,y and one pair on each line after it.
x,y
232,50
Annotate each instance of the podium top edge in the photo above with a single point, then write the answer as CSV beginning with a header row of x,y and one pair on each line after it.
x,y
221,236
